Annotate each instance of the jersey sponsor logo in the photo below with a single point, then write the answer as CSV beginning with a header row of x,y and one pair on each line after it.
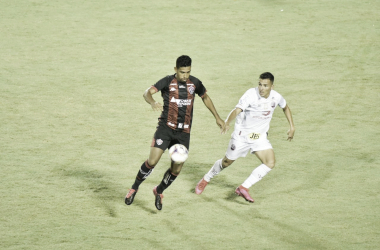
x,y
191,89
181,102
181,87
173,89
180,125
171,124
159,142
262,118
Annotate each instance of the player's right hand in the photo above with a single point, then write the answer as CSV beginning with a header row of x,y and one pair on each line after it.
x,y
156,106
291,134
226,128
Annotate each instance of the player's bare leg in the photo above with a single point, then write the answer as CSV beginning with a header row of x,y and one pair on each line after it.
x,y
144,171
154,156
267,157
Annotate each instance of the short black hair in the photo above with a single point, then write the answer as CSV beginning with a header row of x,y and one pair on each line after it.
x,y
183,61
267,75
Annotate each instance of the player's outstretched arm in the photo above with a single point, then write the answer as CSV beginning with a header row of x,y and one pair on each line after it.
x,y
210,105
149,99
288,115
231,116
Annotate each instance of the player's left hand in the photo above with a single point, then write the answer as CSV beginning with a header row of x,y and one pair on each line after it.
x,y
291,134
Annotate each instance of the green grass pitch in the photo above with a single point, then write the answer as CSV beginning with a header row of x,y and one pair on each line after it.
x,y
74,127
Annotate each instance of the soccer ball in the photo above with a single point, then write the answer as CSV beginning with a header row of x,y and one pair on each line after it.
x,y
178,153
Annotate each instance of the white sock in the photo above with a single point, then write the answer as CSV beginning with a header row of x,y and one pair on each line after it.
x,y
215,170
256,175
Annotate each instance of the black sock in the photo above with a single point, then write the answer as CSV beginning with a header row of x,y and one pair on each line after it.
x,y
144,172
166,181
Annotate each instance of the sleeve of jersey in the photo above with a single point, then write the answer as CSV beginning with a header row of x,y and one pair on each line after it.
x,y
200,90
161,84
282,102
244,101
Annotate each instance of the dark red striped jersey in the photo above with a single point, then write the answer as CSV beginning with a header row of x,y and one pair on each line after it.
x,y
179,101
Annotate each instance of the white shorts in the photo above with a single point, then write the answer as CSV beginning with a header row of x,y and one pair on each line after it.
x,y
239,148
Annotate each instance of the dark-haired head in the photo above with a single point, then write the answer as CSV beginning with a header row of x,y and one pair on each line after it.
x,y
267,75
183,61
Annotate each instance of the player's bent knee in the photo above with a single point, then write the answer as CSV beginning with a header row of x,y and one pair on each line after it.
x,y
226,162
270,164
152,163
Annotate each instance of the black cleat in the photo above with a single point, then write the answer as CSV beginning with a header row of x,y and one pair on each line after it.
x,y
130,196
159,197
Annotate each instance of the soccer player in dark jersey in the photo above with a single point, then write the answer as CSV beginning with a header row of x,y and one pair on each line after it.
x,y
174,124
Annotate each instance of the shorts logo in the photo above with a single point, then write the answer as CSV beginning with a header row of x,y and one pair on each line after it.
x,y
191,89
233,147
173,89
159,142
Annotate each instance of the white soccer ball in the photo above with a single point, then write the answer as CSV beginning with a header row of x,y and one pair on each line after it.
x,y
178,153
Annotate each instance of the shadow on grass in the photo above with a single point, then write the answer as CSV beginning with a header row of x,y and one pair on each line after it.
x,y
104,191
146,206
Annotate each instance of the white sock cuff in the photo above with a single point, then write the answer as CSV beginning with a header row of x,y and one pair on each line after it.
x,y
256,175
265,168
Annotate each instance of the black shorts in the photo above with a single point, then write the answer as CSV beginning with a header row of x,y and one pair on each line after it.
x,y
166,137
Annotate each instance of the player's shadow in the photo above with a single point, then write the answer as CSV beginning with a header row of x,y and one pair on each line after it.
x,y
145,205
103,190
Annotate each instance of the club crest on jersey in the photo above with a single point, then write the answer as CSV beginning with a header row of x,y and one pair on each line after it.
x,y
191,89
273,104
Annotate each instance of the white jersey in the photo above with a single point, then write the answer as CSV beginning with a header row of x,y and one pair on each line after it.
x,y
253,122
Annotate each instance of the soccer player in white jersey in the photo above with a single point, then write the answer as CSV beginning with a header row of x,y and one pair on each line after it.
x,y
253,114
